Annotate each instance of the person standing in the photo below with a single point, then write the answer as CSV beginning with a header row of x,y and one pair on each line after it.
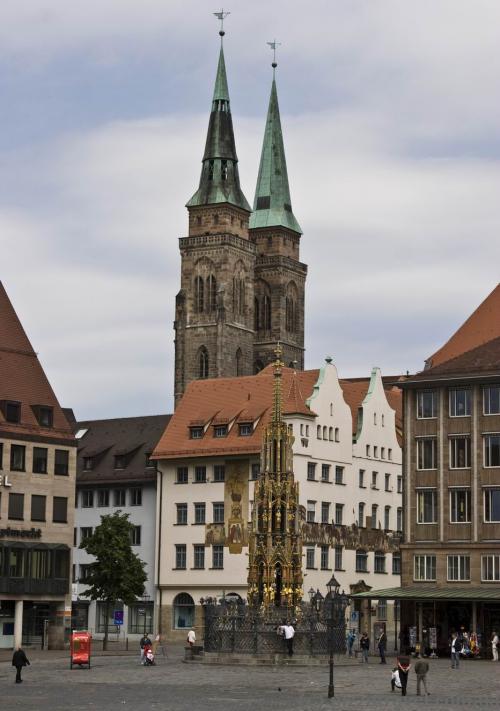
x,y
144,642
19,660
289,632
191,638
403,669
421,669
494,645
350,641
455,649
381,643
364,643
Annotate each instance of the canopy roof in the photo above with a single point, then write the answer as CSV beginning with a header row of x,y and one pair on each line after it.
x,y
431,593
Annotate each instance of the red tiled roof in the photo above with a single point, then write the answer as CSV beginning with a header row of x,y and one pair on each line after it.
x,y
22,379
484,360
482,326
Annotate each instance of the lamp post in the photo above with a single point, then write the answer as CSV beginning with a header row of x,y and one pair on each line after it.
x,y
317,601
337,603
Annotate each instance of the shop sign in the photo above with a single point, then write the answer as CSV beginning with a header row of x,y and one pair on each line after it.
x,y
4,480
20,532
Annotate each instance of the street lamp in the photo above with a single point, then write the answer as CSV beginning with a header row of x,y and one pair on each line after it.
x,y
311,592
317,601
337,603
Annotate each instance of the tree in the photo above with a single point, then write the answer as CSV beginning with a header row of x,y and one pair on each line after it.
x,y
117,573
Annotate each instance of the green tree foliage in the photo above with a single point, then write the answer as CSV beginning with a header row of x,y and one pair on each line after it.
x,y
117,572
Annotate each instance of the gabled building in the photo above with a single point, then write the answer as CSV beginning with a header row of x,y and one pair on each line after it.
x,y
346,458
115,472
37,491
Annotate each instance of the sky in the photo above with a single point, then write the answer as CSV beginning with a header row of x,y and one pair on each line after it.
x,y
391,121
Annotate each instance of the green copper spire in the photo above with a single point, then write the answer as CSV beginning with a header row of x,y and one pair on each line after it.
x,y
219,181
272,205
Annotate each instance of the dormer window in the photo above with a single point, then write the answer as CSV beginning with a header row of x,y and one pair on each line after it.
x,y
13,411
246,430
196,432
220,431
45,415
150,463
119,461
88,464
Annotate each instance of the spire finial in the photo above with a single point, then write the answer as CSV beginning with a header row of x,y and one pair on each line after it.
x,y
278,365
221,16
273,45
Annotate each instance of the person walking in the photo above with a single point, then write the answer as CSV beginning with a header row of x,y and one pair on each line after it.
x,y
144,642
421,669
381,643
364,643
403,669
350,641
455,649
289,633
494,646
19,660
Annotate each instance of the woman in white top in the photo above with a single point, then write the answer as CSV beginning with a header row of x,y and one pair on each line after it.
x,y
494,648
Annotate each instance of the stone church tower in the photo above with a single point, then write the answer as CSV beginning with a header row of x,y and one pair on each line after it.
x,y
242,285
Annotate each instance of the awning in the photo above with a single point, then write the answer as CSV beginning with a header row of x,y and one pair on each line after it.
x,y
485,594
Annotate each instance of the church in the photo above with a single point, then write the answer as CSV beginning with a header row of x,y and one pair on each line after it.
x,y
242,281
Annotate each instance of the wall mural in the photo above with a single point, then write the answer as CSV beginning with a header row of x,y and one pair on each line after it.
x,y
234,532
351,537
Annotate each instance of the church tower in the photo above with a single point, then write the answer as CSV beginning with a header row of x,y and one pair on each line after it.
x,y
214,308
279,275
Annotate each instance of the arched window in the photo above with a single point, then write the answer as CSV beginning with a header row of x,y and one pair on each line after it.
x,y
211,293
183,611
199,294
239,362
337,434
330,434
266,313
325,432
291,313
331,409
318,432
256,315
203,363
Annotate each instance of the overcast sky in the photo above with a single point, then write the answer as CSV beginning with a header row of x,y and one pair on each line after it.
x,y
391,119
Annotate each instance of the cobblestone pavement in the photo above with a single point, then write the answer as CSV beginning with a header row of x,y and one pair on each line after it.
x,y
121,683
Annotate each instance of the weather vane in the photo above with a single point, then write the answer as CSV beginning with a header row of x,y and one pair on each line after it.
x,y
221,16
273,45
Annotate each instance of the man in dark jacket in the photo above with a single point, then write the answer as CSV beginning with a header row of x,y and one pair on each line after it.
x,y
403,669
19,660
382,641
364,643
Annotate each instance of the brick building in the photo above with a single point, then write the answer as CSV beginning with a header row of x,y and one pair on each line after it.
x,y
242,282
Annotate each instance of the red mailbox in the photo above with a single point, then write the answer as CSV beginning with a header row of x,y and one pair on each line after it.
x,y
80,646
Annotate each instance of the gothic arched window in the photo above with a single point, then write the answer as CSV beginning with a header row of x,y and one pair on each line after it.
x,y
199,294
291,312
203,362
211,293
256,315
266,313
239,362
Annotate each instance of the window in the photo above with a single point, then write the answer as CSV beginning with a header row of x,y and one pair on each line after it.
x,y
150,463
199,556
120,461
339,475
17,457
458,567
338,558
330,434
367,450
374,480
246,430
199,292
140,618
459,452
490,568
203,368
40,460
382,452
61,462
87,498
424,567
362,479
219,472
325,472
427,453
38,507
196,432
255,471
491,400
318,432
136,496
492,505
387,518
492,450
211,293
85,532
16,507
400,484
325,512
13,412
88,463
218,511
220,431
459,402
311,511
382,609
183,611
218,557
374,515
311,471
324,557
375,451
379,562
361,514
389,453
337,434
396,563
199,513
388,482
84,572
103,498
135,536
182,475
427,506
339,514
375,418
200,475
310,553
459,505
361,561
119,497
426,404
182,514
399,519
180,556
60,509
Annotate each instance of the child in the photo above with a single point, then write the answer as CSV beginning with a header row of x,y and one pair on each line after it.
x,y
395,680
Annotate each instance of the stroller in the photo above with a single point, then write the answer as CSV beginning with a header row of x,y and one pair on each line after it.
x,y
149,657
